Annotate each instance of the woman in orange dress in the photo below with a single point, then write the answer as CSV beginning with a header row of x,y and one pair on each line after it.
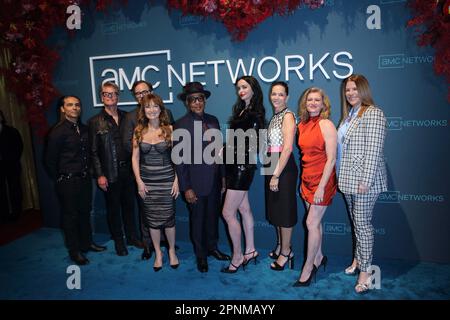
x,y
317,140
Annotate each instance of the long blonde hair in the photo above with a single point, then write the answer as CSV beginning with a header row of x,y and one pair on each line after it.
x,y
142,120
303,112
362,85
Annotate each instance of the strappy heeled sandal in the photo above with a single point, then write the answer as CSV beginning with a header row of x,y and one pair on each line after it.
x,y
254,257
290,262
273,254
352,270
362,288
236,268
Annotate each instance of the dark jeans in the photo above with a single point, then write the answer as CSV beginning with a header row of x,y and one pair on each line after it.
x,y
75,198
120,205
10,193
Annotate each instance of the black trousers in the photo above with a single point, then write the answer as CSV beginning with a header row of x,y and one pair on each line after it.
x,y
120,199
75,198
205,223
10,192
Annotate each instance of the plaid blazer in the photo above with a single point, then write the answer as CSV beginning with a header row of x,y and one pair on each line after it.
x,y
362,154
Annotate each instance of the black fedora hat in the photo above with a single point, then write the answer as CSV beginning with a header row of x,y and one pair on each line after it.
x,y
193,87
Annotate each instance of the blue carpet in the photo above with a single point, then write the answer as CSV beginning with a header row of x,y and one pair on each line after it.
x,y
34,267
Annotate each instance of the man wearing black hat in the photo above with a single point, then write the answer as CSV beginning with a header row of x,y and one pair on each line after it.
x,y
201,183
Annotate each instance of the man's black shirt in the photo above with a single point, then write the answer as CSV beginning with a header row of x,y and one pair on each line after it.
x,y
67,150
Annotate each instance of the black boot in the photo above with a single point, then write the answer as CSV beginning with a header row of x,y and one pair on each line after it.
x,y
147,253
78,258
120,247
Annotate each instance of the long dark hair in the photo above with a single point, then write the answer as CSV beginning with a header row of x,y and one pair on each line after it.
x,y
256,104
279,83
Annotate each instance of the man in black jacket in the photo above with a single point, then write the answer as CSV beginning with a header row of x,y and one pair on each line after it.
x,y
112,168
67,160
202,183
11,148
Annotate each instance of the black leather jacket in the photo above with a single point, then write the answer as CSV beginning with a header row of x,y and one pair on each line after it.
x,y
103,149
247,120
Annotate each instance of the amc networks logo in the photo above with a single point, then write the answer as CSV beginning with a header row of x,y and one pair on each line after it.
x,y
125,69
325,3
115,27
396,197
394,123
189,20
389,197
342,229
398,123
400,60
336,228
183,219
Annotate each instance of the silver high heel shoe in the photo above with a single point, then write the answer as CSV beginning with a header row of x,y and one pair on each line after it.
x,y
352,270
363,287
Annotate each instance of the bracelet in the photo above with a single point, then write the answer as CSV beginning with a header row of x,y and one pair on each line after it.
x,y
276,177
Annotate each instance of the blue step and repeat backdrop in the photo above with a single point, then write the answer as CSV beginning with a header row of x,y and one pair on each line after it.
x,y
307,48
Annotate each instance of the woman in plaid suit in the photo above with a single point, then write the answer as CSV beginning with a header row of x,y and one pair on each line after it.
x,y
361,168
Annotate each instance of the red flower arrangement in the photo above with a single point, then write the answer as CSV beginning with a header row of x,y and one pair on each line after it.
x,y
434,19
24,27
240,16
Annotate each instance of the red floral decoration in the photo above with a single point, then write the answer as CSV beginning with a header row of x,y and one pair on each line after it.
x,y
432,23
240,16
24,27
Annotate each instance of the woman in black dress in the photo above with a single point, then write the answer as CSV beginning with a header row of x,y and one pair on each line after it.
x,y
155,175
242,147
281,185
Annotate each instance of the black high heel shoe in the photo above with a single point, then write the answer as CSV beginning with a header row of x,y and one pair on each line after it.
x,y
236,268
323,263
254,257
273,254
173,266
306,283
289,262
156,269
147,253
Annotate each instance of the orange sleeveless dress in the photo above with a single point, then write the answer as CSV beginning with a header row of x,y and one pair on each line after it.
x,y
314,157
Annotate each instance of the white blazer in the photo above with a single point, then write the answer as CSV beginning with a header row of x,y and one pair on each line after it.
x,y
362,153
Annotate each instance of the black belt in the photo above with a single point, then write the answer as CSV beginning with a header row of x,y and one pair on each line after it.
x,y
68,176
124,163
